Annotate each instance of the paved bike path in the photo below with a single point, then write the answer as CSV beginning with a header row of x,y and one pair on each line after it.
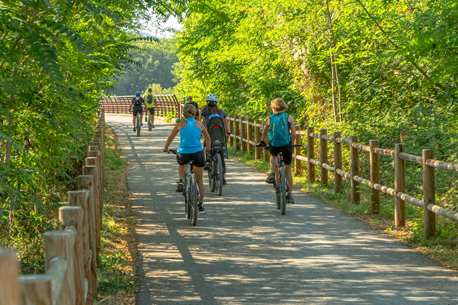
x,y
242,251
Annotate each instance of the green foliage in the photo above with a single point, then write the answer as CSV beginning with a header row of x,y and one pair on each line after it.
x,y
155,63
56,59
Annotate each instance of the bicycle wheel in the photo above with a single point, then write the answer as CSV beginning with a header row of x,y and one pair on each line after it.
x,y
210,177
219,174
138,125
150,126
282,191
193,203
186,193
277,189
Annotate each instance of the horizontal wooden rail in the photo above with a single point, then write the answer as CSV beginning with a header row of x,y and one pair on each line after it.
x,y
399,155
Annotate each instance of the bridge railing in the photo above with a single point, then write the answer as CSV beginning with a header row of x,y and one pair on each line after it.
x,y
246,133
70,254
164,105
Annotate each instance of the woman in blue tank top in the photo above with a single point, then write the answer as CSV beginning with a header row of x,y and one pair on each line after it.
x,y
190,148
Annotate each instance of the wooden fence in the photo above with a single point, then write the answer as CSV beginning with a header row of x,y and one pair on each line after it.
x,y
70,254
163,104
246,133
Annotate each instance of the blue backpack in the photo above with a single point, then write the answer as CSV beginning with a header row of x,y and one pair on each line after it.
x,y
279,134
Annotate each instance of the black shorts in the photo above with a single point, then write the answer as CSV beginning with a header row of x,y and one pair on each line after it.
x,y
137,110
286,150
151,110
198,158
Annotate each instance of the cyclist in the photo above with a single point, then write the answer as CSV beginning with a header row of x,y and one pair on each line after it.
x,y
149,107
190,149
137,106
208,111
189,101
282,135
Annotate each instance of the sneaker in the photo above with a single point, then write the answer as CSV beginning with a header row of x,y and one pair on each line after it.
x,y
141,124
135,129
289,199
152,125
207,165
201,208
180,186
271,178
224,182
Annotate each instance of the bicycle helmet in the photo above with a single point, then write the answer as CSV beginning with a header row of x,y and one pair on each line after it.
x,y
137,93
212,100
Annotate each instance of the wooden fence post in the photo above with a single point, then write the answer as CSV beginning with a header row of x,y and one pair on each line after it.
x,y
257,139
310,154
337,162
60,244
36,289
354,166
323,156
297,152
80,199
92,168
429,193
266,151
242,134
374,175
72,216
9,283
87,182
237,132
231,127
248,134
399,186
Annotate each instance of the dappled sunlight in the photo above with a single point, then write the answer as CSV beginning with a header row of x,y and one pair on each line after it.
x,y
242,250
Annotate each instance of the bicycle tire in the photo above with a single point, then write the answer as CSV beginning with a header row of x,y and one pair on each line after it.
x,y
277,189
210,177
193,202
219,174
283,191
138,125
186,191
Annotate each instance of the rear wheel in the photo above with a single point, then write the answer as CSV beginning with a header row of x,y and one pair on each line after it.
x,y
138,125
187,203
277,188
211,180
219,174
193,203
282,191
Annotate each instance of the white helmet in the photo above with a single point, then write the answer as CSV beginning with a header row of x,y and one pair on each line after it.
x,y
212,100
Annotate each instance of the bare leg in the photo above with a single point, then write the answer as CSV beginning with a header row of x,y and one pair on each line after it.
x,y
133,120
289,176
181,171
273,163
152,119
200,182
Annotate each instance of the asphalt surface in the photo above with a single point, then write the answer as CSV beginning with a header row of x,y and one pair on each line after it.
x,y
242,251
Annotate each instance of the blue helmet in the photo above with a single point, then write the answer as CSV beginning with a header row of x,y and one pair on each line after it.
x,y
137,93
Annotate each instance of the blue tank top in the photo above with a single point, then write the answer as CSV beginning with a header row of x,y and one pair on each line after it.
x,y
190,138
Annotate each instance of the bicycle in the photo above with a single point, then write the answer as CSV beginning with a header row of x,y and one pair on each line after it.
x,y
190,192
281,183
216,173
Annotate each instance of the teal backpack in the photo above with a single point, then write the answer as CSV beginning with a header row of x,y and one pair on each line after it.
x,y
279,134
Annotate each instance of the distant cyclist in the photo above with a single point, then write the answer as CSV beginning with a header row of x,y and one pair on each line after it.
x,y
189,101
137,107
190,149
211,109
149,107
282,135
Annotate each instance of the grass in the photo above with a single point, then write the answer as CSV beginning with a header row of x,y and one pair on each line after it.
x,y
443,248
116,272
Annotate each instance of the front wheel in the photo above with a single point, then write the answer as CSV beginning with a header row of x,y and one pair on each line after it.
x,y
282,191
219,174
